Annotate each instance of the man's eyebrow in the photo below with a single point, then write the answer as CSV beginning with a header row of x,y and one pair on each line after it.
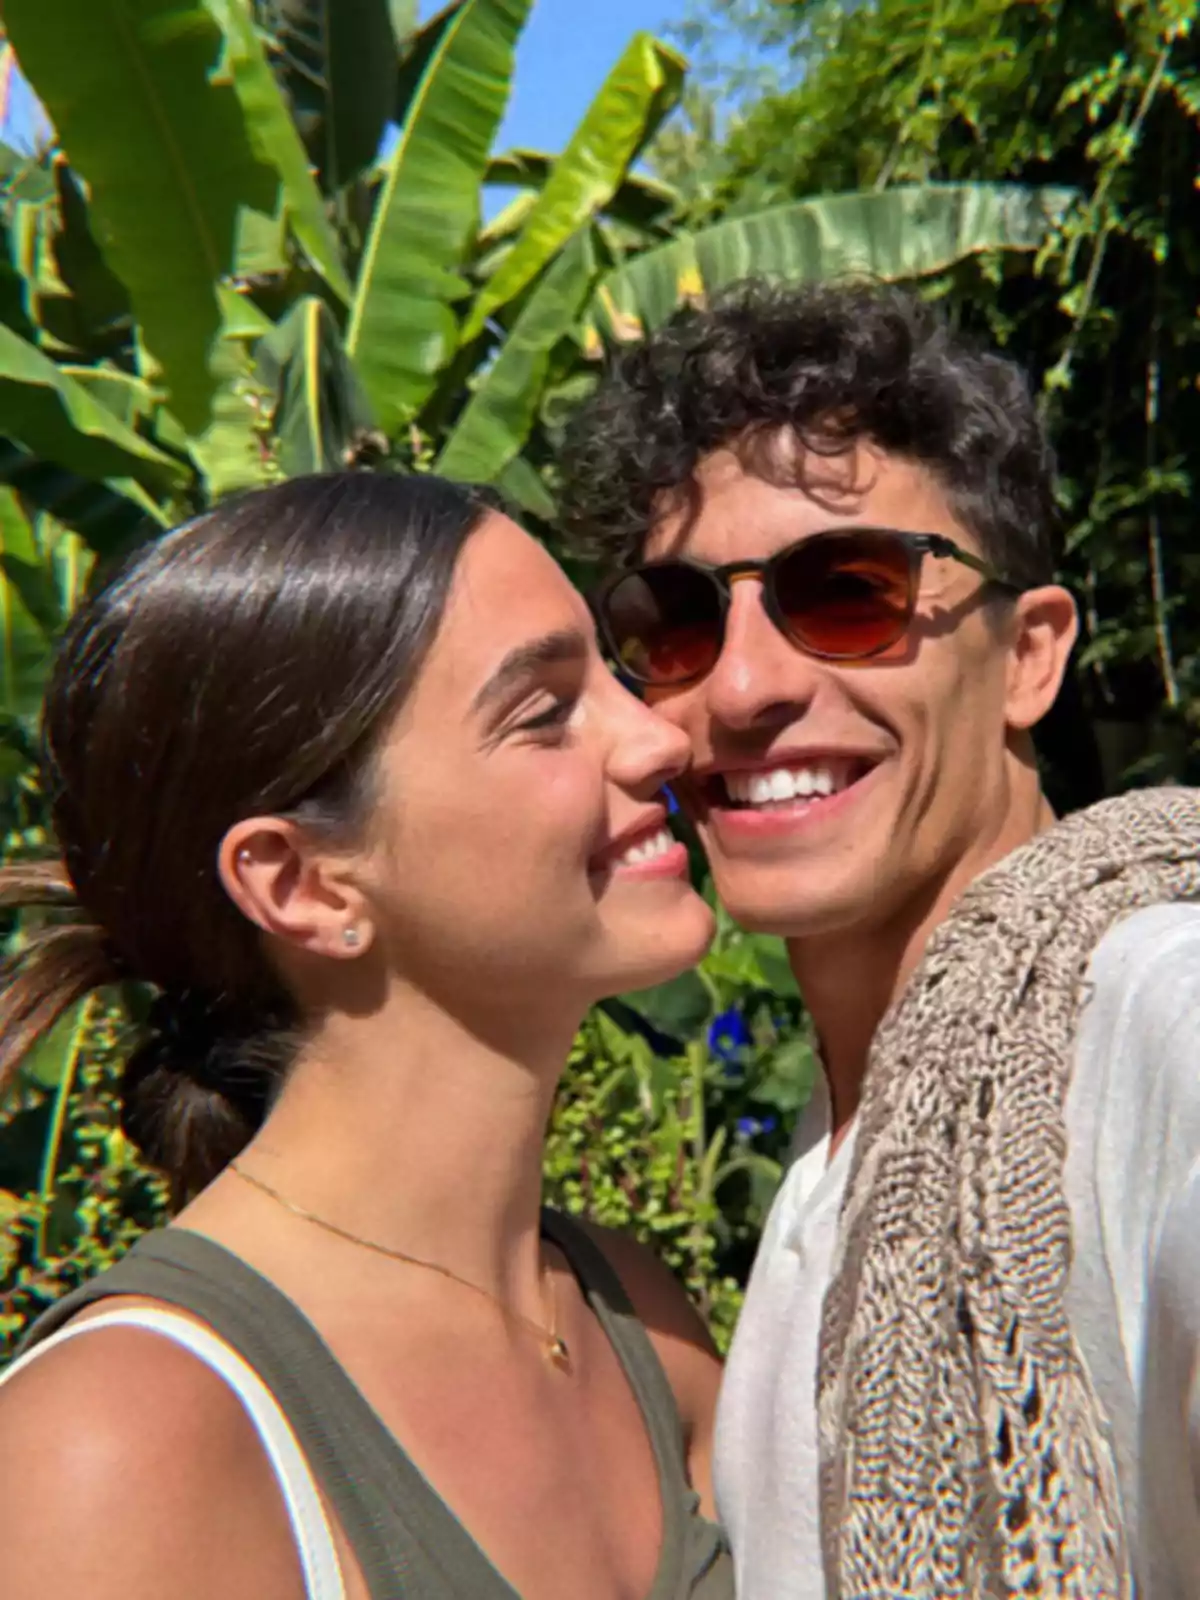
x,y
567,644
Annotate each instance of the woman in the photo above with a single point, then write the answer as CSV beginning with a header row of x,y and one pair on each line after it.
x,y
339,770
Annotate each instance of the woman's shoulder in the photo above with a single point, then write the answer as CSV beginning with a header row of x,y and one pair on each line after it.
x,y
132,1453
658,1297
680,1339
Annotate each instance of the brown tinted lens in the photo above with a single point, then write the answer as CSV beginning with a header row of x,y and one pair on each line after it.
x,y
664,623
846,596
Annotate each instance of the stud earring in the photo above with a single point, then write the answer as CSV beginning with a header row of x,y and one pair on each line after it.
x,y
351,938
244,856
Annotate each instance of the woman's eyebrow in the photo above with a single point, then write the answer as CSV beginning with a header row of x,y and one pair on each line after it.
x,y
565,644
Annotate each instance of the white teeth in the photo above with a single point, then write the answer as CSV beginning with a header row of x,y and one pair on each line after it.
x,y
760,788
787,783
648,849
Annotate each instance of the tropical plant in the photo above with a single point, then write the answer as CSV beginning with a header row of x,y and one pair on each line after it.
x,y
253,249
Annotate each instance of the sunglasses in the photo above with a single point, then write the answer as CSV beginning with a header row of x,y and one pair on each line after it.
x,y
845,594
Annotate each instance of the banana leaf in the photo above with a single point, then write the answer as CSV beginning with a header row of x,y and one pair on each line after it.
x,y
131,400
67,558
403,330
416,53
24,177
73,304
13,311
522,483
498,417
164,148
893,234
640,91
404,18
320,409
335,61
494,241
30,235
273,135
109,516
28,602
639,200
236,451
44,409
81,265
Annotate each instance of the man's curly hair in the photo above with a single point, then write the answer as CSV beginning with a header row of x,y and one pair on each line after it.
x,y
831,363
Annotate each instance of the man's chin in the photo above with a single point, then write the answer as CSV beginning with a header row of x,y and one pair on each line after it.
x,y
791,916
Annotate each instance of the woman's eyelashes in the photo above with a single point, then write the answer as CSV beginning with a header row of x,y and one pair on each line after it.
x,y
552,716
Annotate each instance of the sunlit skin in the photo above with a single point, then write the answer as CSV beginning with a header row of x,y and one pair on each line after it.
x,y
938,726
492,907
533,787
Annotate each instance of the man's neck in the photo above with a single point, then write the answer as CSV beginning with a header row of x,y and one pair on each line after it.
x,y
851,979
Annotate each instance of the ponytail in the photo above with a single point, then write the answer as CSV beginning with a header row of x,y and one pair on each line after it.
x,y
196,1090
193,1092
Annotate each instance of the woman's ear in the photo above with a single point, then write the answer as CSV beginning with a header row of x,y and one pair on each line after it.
x,y
284,883
1043,631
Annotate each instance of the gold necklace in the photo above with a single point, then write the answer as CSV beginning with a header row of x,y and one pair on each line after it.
x,y
554,1347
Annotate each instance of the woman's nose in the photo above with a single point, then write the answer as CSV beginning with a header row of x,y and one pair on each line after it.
x,y
648,751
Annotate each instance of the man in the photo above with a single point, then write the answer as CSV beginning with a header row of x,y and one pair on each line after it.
x,y
969,1360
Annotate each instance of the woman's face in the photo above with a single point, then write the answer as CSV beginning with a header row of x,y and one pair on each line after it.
x,y
520,849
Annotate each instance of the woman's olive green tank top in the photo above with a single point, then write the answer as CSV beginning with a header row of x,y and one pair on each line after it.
x,y
408,1543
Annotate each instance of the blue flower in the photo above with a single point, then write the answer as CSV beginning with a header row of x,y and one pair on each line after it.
x,y
728,1035
749,1127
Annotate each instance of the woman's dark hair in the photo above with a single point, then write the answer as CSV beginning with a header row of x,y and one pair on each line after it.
x,y
248,662
831,363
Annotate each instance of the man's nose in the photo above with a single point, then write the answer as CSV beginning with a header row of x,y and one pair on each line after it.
x,y
760,674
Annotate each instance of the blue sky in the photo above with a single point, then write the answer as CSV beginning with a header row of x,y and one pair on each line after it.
x,y
563,57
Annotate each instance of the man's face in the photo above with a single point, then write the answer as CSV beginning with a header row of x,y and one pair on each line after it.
x,y
922,746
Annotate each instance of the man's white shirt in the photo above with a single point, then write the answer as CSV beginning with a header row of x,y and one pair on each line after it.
x,y
1133,1187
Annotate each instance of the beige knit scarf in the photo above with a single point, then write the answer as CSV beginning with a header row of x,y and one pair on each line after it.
x,y
962,1445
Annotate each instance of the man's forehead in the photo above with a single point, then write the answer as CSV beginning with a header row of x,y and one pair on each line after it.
x,y
771,492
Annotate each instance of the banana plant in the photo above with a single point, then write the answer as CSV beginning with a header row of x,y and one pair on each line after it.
x,y
403,331
903,233
640,92
227,270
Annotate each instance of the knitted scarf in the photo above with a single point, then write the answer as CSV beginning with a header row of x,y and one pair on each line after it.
x,y
962,1445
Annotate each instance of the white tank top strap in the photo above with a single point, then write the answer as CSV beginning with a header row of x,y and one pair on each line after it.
x,y
306,1513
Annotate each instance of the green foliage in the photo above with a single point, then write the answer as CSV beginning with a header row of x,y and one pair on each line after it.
x,y
75,1196
402,330
171,217
914,232
218,276
640,91
500,413
335,63
313,389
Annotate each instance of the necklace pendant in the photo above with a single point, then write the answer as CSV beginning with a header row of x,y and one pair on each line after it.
x,y
557,1353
